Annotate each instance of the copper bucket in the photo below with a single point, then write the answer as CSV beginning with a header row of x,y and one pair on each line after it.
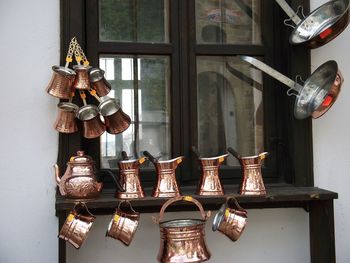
x,y
230,220
93,127
66,121
130,179
82,79
99,83
210,183
182,240
116,120
77,226
123,224
60,85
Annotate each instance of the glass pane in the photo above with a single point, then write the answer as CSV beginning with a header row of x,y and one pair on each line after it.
x,y
149,107
230,107
228,21
134,20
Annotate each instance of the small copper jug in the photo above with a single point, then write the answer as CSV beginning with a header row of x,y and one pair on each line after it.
x,y
60,85
123,224
230,220
66,121
166,185
182,240
210,183
99,83
130,179
77,225
252,183
116,120
82,78
92,126
79,180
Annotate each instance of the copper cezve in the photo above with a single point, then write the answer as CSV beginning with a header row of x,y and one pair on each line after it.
x,y
66,119
60,85
99,83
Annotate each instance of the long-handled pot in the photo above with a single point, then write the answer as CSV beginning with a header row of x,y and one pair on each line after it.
x,y
321,26
318,93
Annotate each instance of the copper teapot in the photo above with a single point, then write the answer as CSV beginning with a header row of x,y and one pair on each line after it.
x,y
80,180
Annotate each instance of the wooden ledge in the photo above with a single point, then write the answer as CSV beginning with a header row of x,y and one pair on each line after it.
x,y
278,196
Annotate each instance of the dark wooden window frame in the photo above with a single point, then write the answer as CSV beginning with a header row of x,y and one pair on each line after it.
x,y
289,140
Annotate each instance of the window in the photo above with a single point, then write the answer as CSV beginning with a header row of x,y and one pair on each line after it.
x,y
173,65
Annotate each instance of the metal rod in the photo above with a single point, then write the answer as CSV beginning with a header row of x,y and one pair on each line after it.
x,y
289,11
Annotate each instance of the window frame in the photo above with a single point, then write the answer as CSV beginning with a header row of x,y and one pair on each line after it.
x,y
291,140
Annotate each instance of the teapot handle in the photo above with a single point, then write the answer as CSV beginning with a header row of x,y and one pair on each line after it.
x,y
115,178
180,198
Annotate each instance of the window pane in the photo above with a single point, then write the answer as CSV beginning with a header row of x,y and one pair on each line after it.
x,y
230,107
228,21
134,20
149,109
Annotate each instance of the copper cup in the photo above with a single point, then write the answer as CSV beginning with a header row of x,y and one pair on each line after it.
x,y
82,79
123,224
210,183
99,83
66,121
60,85
116,120
77,226
93,127
230,220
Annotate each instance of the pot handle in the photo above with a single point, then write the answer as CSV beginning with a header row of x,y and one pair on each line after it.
x,y
91,217
126,202
181,198
236,204
114,177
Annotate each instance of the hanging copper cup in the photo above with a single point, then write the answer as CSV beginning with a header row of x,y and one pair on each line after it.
x,y
82,79
99,83
230,220
116,120
252,183
166,185
77,226
66,119
60,85
123,224
93,127
182,240
130,179
210,183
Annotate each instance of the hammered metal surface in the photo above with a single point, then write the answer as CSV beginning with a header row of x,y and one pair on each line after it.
x,y
117,122
130,180
93,128
102,87
82,78
60,85
252,183
233,223
66,121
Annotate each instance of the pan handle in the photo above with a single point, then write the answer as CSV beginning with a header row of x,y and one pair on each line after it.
x,y
289,11
150,156
181,198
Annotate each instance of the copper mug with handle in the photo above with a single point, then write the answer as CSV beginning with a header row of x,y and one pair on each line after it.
x,y
230,220
123,224
77,225
182,240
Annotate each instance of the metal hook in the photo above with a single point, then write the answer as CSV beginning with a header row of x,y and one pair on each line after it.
x,y
291,92
288,22
300,10
299,78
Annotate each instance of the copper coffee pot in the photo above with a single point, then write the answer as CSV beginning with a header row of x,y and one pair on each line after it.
x,y
80,179
182,240
252,183
99,83
82,78
166,185
66,121
210,183
129,178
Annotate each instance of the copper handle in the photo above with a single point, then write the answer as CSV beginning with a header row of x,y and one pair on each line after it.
x,y
128,202
75,208
236,203
181,198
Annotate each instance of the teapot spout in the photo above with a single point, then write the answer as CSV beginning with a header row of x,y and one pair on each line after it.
x,y
57,174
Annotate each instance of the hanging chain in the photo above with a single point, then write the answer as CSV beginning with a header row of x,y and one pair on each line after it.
x,y
71,49
82,55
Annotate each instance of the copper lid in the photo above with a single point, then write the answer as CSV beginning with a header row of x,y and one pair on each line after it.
x,y
81,158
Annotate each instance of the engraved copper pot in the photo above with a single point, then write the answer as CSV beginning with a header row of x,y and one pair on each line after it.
x,y
77,226
230,220
182,240
130,179
92,126
82,78
79,180
166,185
66,121
116,120
210,183
99,83
60,85
123,224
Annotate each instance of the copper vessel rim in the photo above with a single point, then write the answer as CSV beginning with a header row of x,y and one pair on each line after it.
x,y
87,107
214,158
176,223
68,106
79,67
131,160
171,160
253,156
63,70
96,74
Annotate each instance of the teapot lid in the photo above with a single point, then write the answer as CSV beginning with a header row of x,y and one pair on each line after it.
x,y
81,158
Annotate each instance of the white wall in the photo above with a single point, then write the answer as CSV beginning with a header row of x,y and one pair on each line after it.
x,y
28,228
